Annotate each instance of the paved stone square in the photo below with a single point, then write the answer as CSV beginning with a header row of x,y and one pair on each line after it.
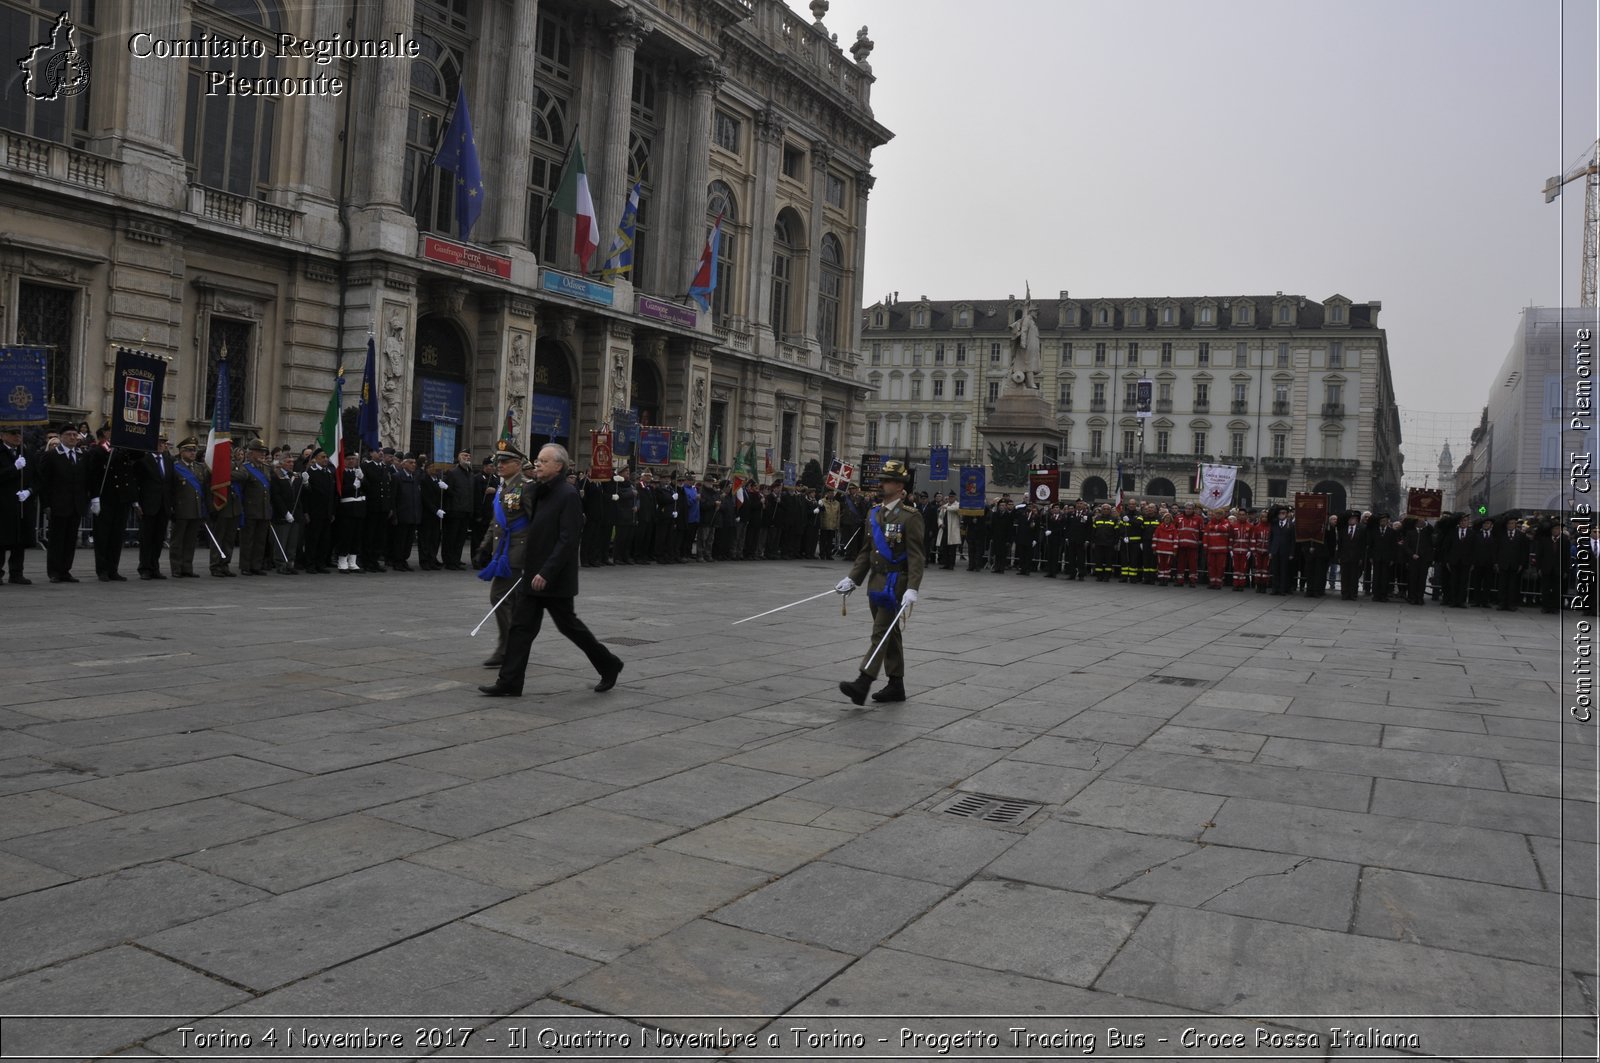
x,y
1258,819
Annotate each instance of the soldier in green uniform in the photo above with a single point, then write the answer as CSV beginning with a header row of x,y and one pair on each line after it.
x,y
504,549
890,559
253,481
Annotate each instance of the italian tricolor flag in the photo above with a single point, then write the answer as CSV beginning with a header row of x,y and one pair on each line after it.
x,y
572,197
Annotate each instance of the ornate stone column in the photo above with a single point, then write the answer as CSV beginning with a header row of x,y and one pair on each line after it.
x,y
626,31
386,103
706,77
815,225
864,183
770,129
516,125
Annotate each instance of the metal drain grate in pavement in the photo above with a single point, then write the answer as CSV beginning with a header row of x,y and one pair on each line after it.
x,y
988,809
631,642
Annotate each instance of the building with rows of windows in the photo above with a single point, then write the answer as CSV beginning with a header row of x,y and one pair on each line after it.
x,y
188,185
1294,392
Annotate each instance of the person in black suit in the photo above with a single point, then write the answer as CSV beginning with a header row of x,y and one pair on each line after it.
x,y
63,485
431,531
460,506
1351,544
18,508
1416,553
1511,560
1280,551
1452,553
550,577
321,501
111,478
1483,553
1384,552
154,476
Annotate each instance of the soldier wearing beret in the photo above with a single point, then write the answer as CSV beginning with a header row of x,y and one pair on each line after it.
x,y
890,559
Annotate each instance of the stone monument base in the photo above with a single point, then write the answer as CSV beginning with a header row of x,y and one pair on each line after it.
x,y
1019,434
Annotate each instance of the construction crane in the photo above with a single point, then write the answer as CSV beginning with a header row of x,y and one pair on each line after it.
x,y
1590,172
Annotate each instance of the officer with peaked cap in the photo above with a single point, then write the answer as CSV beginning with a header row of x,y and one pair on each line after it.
x,y
890,559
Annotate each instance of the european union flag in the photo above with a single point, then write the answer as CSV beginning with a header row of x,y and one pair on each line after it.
x,y
458,153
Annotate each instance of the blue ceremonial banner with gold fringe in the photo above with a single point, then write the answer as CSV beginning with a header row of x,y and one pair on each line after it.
x,y
136,399
23,385
974,489
939,463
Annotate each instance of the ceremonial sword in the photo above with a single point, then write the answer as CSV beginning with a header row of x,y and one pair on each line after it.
x,y
781,608
884,641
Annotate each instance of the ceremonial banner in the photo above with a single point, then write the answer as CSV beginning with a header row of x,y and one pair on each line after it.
x,y
974,489
1216,485
771,468
840,473
1044,485
219,441
23,385
136,400
939,463
600,448
1143,393
871,465
550,415
680,446
788,474
654,445
1310,516
1424,502
624,431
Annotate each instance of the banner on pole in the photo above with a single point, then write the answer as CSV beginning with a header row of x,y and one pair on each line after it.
x,y
136,407
939,463
655,444
1310,516
840,473
680,447
789,477
1216,485
974,490
23,385
600,449
1426,503
1144,391
871,465
1044,485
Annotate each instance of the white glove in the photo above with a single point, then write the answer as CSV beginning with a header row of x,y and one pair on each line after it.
x,y
305,477
440,514
94,507
21,462
674,498
1047,535
443,486
616,498
910,598
358,479
24,494
845,586
289,518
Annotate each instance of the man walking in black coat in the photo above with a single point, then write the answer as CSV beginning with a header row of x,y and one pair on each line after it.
x,y
460,499
550,577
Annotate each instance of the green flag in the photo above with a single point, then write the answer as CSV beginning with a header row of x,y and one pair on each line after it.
x,y
680,447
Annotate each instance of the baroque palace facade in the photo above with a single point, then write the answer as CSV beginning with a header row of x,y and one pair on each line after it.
x,y
1296,393
158,204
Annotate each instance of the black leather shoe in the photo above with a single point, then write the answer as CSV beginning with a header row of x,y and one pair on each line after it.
x,y
894,690
157,575
495,690
856,690
104,578
608,678
23,580
494,662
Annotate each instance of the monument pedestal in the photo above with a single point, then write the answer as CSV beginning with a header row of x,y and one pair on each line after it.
x,y
1018,435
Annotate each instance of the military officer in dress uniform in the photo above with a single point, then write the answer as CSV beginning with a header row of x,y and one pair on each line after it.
x,y
191,499
893,542
254,482
504,551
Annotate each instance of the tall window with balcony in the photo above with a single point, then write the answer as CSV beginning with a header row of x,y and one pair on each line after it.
x,y
1336,353
717,434
1163,441
552,75
64,120
830,294
1133,352
1130,441
783,256
961,387
961,354
435,77
1283,354
938,387
1204,357
1100,354
642,136
1333,400
786,444
994,353
1166,354
721,204
46,318
1241,397
1235,444
227,138
1064,395
1097,442
235,338
1202,396
1097,396
1200,441
1280,444
994,390
1130,394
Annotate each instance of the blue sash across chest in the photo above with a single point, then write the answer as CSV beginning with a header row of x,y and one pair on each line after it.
x,y
885,598
499,567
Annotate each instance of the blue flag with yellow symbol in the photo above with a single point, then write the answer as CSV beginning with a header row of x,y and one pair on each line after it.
x,y
458,153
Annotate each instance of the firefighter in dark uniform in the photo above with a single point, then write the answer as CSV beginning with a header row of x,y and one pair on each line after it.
x,y
890,560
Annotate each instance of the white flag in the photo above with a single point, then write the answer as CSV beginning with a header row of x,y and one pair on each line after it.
x,y
1216,485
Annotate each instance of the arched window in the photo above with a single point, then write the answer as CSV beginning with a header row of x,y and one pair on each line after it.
x,y
783,254
1161,486
227,138
830,293
552,129
720,203
642,136
1094,487
435,78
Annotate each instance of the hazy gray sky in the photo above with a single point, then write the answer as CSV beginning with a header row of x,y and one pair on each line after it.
x,y
1383,149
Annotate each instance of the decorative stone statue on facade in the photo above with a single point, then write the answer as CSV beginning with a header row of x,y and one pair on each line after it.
x,y
1026,361
394,374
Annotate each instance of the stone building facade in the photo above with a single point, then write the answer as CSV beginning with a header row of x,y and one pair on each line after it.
x,y
160,205
1295,392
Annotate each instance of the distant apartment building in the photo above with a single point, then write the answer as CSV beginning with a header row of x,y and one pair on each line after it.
x,y
1295,392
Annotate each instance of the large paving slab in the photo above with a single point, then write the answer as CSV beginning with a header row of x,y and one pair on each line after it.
x,y
1246,807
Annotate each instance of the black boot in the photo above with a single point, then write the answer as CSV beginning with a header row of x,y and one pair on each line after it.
x,y
856,690
894,690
